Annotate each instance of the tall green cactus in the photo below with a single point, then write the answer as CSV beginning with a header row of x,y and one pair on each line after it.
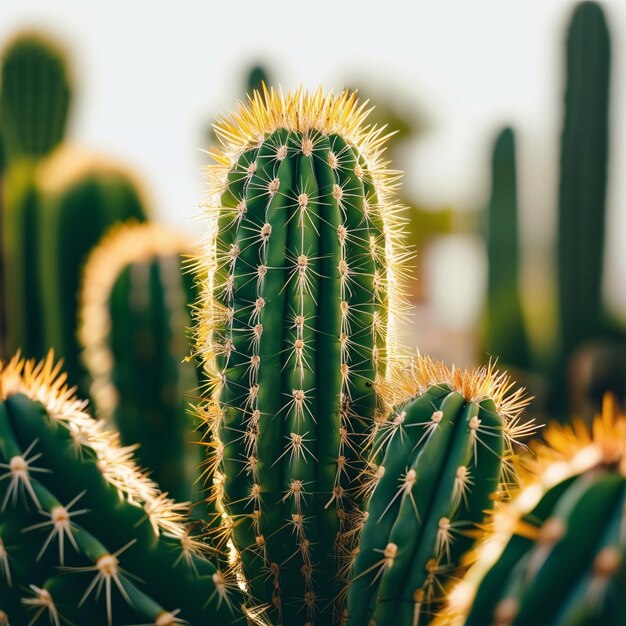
x,y
81,199
506,337
135,311
85,537
34,97
583,174
557,555
296,313
436,466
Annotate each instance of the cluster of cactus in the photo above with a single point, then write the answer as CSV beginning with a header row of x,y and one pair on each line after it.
x,y
135,310
556,555
57,204
85,537
349,484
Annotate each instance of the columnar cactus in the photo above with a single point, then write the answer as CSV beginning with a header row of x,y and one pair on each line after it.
x,y
557,554
85,537
506,337
34,98
437,465
134,315
81,199
295,321
583,174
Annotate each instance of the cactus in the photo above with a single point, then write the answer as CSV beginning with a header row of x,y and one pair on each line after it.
x,y
35,96
295,326
81,199
557,552
135,310
583,173
506,337
257,77
85,537
436,465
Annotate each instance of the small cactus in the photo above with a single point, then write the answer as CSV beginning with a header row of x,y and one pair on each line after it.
x,y
436,466
34,97
557,553
85,537
295,328
134,315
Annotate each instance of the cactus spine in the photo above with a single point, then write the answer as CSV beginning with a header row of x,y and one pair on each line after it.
x,y
135,311
437,464
584,158
294,320
506,337
557,552
85,537
82,199
35,96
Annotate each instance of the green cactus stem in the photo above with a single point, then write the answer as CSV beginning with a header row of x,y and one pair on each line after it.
x,y
436,466
81,199
135,311
34,97
583,174
506,338
557,553
85,537
295,327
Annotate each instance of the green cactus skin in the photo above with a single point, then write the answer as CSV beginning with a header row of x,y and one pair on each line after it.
x,y
84,536
135,310
583,174
436,467
257,77
35,96
557,555
292,329
20,232
82,199
506,337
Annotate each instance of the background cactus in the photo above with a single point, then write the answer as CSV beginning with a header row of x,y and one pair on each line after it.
x,y
436,466
81,199
557,553
85,537
135,311
505,332
583,174
296,311
35,96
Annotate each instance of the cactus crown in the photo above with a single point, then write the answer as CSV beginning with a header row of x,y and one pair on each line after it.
x,y
309,114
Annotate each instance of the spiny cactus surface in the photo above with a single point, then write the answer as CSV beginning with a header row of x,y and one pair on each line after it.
x,y
135,311
436,466
85,537
295,321
34,97
557,555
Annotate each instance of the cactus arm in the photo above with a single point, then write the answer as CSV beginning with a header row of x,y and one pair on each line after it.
x,y
387,496
593,500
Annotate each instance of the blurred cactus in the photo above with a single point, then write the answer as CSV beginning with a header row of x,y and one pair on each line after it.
x,y
34,97
505,334
297,309
135,311
557,553
257,77
436,466
81,199
584,158
20,249
85,537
